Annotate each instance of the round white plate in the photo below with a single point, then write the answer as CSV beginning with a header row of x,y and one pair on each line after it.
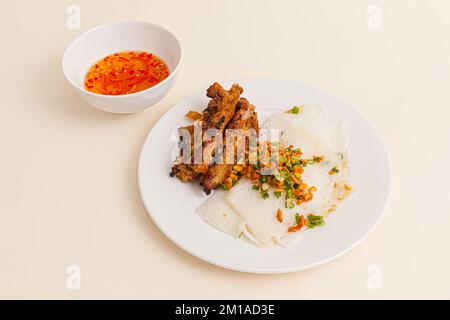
x,y
172,204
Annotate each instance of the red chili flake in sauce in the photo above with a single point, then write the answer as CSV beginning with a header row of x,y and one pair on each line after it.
x,y
125,73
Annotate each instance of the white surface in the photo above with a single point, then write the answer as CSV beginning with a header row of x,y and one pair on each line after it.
x,y
110,38
69,193
172,204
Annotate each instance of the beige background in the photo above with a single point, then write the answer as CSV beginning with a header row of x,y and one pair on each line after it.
x,y
68,188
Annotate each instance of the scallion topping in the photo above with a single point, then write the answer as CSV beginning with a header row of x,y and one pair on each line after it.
x,y
264,195
295,110
315,221
334,170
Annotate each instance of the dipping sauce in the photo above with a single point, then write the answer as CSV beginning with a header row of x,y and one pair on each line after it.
x,y
125,73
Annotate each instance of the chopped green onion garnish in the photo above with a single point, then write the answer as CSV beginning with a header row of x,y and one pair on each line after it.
x,y
255,187
295,159
287,184
263,179
297,217
286,175
277,194
264,195
224,187
315,221
295,110
289,203
278,176
288,193
335,170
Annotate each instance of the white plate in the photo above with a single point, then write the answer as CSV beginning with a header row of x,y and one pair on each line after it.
x,y
172,204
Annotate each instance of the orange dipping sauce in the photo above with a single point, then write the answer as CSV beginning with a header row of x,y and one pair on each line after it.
x,y
125,73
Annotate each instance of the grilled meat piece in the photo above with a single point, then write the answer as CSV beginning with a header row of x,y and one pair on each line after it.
x,y
245,118
180,170
218,113
215,176
222,107
183,172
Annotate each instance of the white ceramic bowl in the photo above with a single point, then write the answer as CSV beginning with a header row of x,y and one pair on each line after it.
x,y
106,39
